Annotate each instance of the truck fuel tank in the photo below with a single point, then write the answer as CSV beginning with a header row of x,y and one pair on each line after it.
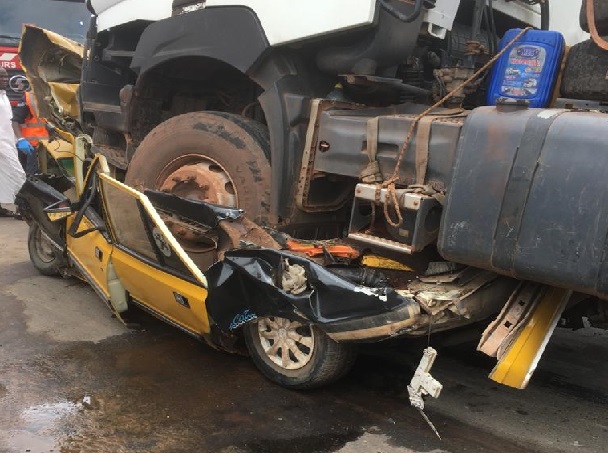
x,y
528,197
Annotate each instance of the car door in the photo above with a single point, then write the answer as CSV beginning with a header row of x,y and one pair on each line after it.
x,y
88,242
155,271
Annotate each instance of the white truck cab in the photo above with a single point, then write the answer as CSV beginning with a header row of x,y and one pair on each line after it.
x,y
293,20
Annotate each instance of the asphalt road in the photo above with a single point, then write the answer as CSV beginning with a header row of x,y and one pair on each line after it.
x,y
73,379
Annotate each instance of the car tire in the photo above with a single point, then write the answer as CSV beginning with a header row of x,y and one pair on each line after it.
x,y
43,255
318,360
210,148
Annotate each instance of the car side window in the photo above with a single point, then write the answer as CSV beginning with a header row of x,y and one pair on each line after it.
x,y
134,229
90,207
128,227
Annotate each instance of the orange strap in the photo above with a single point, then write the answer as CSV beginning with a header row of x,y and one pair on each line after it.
x,y
601,42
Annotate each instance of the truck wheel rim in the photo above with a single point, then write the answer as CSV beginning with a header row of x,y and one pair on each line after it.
x,y
288,344
199,178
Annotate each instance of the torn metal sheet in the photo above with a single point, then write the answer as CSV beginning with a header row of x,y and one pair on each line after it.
x,y
251,281
198,211
457,299
515,312
53,65
521,351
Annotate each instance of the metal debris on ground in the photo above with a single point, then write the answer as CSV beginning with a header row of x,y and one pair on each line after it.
x,y
423,384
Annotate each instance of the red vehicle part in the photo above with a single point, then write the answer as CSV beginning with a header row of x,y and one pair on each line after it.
x,y
9,60
314,249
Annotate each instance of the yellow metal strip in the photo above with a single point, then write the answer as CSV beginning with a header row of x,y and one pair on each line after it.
x,y
384,263
80,152
516,366
161,226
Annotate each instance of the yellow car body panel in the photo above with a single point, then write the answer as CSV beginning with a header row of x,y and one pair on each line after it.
x,y
91,253
178,300
61,151
53,65
515,368
160,291
65,96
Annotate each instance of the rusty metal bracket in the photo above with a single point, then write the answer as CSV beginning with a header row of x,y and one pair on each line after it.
x,y
302,200
513,314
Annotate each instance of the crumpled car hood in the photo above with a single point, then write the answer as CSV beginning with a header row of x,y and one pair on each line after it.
x,y
53,65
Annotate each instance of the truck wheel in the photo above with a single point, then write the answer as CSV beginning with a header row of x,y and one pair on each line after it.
x,y
43,255
601,16
585,73
295,355
216,157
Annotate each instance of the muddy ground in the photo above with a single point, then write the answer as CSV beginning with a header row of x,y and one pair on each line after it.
x,y
73,379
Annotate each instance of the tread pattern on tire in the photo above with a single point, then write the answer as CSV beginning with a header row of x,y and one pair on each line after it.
x,y
585,73
249,164
338,362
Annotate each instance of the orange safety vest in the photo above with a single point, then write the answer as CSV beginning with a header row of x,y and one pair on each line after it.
x,y
34,129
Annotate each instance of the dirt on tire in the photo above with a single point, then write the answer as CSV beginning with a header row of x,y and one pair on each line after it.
x,y
239,145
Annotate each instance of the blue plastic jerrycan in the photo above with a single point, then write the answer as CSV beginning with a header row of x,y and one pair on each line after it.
x,y
528,71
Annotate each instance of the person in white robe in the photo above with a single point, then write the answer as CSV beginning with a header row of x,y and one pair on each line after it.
x,y
12,175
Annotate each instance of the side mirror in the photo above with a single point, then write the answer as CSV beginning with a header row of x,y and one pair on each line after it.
x,y
58,211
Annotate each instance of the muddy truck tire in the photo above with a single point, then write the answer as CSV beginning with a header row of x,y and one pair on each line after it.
x,y
601,16
215,157
295,355
585,73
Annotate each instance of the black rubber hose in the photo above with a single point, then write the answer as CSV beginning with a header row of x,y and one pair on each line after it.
x,y
92,187
544,15
402,17
489,33
493,25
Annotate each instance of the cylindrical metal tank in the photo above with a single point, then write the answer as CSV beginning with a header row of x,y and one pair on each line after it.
x,y
528,197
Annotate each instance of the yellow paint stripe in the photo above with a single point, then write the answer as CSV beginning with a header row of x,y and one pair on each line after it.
x,y
516,366
382,262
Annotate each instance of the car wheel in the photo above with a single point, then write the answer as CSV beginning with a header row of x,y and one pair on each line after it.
x,y
296,355
43,254
216,157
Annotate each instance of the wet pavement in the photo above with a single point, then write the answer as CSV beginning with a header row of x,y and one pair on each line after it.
x,y
73,379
